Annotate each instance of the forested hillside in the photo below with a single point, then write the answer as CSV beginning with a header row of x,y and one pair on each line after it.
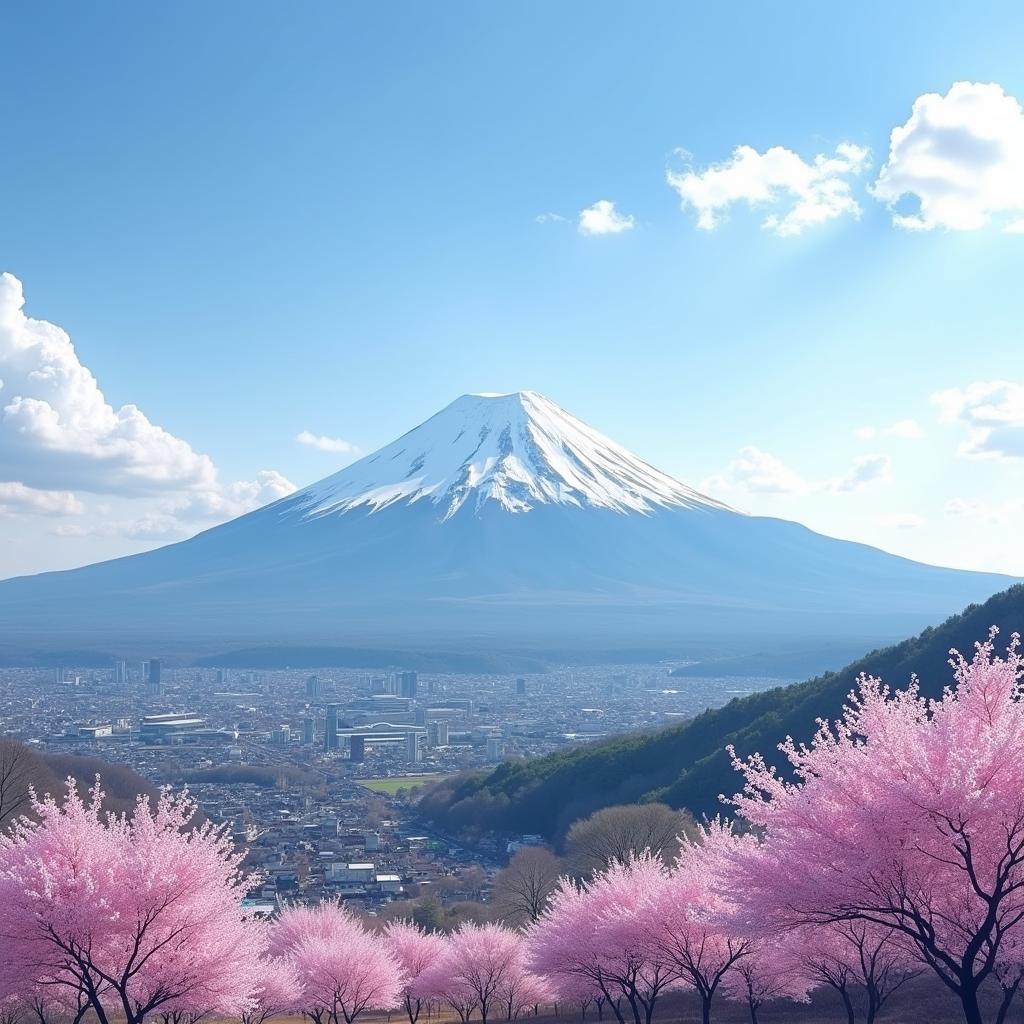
x,y
687,766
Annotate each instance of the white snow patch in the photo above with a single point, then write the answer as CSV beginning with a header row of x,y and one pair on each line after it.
x,y
519,450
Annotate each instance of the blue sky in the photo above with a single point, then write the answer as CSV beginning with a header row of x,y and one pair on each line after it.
x,y
256,219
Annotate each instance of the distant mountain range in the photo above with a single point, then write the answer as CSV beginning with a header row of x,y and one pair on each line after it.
x,y
502,522
687,765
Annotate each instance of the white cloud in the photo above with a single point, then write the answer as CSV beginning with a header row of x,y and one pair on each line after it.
x,y
236,498
801,194
58,431
177,518
866,469
959,159
603,219
907,430
993,412
902,521
325,444
16,498
760,472
59,434
549,218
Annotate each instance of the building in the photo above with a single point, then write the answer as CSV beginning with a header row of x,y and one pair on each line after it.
x,y
176,728
309,731
437,732
153,676
520,687
93,732
495,748
382,704
281,736
413,754
408,683
331,731
121,673
313,689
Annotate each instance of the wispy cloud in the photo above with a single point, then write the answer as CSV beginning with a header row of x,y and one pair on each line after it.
x,y
324,443
992,411
761,472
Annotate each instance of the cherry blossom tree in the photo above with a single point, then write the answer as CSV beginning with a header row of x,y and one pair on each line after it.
x,y
771,970
849,955
415,952
342,968
597,934
907,814
692,918
478,971
130,914
277,990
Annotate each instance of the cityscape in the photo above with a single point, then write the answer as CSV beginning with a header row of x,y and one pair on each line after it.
x,y
317,763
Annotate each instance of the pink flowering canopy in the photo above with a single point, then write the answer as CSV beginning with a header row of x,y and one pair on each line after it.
x,y
415,951
136,913
343,970
907,814
596,936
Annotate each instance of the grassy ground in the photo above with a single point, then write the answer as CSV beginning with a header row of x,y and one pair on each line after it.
x,y
391,786
922,1002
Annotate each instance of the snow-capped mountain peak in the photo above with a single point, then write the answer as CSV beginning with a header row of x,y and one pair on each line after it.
x,y
519,450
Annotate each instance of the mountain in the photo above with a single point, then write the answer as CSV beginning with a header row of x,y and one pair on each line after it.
x,y
500,522
687,766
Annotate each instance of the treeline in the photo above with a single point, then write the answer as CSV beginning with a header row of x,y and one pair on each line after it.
x,y
687,765
266,777
23,769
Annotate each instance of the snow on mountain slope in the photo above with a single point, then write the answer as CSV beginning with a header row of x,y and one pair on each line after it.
x,y
518,450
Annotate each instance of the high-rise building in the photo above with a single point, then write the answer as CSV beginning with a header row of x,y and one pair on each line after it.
x,y
495,748
520,687
121,673
412,748
331,731
309,730
407,684
281,736
153,676
313,687
438,734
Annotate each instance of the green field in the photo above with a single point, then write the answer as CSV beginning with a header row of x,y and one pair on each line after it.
x,y
391,786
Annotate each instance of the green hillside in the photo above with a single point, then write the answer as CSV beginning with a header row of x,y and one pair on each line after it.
x,y
686,765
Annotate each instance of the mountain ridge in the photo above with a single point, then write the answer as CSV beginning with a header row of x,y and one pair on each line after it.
x,y
500,522
686,765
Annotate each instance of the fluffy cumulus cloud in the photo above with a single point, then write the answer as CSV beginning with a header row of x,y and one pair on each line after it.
x,y
958,161
58,431
323,443
604,219
797,194
59,435
993,413
761,472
